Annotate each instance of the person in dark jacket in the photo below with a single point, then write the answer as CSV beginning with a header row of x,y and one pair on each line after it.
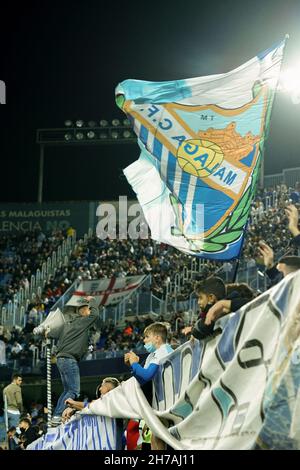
x,y
29,433
72,346
286,264
214,302
237,295
12,438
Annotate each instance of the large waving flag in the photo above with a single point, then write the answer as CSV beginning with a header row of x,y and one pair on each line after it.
x,y
201,142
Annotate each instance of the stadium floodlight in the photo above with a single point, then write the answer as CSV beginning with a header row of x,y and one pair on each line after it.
x,y
79,135
127,134
290,79
91,135
103,135
290,83
115,134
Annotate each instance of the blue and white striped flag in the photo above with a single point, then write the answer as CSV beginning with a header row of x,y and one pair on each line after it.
x,y
201,142
81,433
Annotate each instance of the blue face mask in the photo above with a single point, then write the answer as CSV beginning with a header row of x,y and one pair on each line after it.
x,y
149,347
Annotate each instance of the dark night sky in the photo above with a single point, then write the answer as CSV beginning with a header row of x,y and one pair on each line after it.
x,y
63,60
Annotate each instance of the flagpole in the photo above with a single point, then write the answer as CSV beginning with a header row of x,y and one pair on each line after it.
x,y
236,268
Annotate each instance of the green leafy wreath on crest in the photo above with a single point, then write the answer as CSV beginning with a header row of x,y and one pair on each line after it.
x,y
230,230
233,227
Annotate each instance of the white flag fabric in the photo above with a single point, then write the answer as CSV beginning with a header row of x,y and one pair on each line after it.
x,y
80,433
107,291
201,142
239,390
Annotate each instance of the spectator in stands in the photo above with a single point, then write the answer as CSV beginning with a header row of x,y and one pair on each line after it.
x,y
213,303
12,438
295,195
237,296
293,218
41,422
29,327
72,346
70,231
145,435
286,264
155,337
29,433
208,293
98,258
13,395
33,315
20,256
155,342
132,435
16,349
108,384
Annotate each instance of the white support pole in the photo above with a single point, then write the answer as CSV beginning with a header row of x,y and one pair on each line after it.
x,y
49,398
22,316
5,412
32,283
49,270
54,260
38,277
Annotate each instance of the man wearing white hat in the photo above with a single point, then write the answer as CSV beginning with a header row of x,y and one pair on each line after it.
x,y
72,346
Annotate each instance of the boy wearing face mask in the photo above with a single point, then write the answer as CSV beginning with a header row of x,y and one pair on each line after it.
x,y
155,342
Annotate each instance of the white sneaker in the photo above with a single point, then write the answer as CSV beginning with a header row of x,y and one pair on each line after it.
x,y
55,421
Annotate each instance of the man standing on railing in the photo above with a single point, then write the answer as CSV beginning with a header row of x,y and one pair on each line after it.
x,y
72,346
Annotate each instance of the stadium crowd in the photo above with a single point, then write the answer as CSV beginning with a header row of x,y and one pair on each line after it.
x,y
21,255
273,224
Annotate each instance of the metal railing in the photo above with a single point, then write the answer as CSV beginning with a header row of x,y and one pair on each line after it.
x,y
13,313
140,302
289,176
